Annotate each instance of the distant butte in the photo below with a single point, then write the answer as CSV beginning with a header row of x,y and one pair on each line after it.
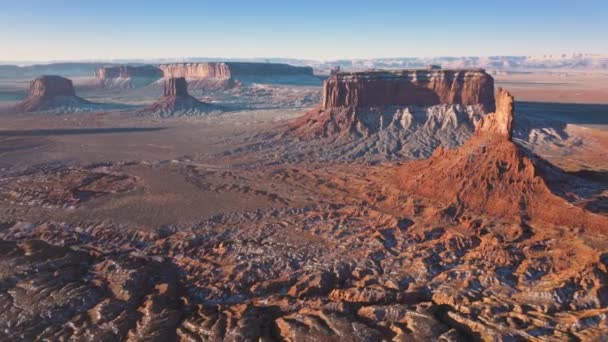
x,y
50,92
177,102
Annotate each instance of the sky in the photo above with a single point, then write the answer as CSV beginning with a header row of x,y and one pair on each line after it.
x,y
46,30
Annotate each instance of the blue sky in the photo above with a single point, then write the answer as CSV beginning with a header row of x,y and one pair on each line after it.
x,y
94,29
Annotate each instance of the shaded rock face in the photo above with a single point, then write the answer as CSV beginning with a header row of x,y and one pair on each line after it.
x,y
125,71
51,86
176,87
409,87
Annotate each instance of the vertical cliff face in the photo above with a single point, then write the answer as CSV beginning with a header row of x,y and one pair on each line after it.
x,y
197,70
499,123
177,102
409,87
53,93
51,86
176,87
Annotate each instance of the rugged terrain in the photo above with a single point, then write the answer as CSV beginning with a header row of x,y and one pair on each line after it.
x,y
116,226
177,102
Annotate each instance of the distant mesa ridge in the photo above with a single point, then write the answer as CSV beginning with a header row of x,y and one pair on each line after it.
x,y
218,74
125,71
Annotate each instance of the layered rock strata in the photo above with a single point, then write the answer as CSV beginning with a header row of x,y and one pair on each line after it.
x,y
48,93
409,87
124,71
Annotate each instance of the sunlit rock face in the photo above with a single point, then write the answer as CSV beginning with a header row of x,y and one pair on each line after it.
x,y
426,87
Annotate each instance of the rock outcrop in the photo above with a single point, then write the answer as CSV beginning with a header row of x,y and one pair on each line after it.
x,y
492,175
176,87
177,102
51,93
399,114
228,70
125,71
196,70
126,76
202,75
426,87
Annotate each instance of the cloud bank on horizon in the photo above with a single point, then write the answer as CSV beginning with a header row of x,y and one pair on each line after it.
x,y
72,30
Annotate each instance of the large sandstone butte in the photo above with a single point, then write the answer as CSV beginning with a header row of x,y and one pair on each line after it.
x,y
176,101
491,175
48,92
426,87
435,107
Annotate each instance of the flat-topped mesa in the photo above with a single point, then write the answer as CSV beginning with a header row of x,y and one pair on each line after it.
x,y
229,70
499,123
126,71
53,93
424,87
176,87
51,86
196,70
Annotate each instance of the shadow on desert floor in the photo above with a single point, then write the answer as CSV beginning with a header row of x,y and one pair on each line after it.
x,y
569,113
76,131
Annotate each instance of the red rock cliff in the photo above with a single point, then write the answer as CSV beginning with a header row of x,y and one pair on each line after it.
x,y
409,87
51,86
196,70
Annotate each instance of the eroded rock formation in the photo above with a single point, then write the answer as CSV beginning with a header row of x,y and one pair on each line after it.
x,y
492,175
426,87
49,93
126,71
177,102
176,87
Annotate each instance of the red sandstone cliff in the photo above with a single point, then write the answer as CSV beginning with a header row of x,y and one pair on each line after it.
x,y
348,97
196,70
491,175
409,87
47,92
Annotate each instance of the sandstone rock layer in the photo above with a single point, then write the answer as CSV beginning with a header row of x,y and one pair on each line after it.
x,y
48,93
409,87
490,174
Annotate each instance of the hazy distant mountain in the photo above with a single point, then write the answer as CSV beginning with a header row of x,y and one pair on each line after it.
x,y
574,61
